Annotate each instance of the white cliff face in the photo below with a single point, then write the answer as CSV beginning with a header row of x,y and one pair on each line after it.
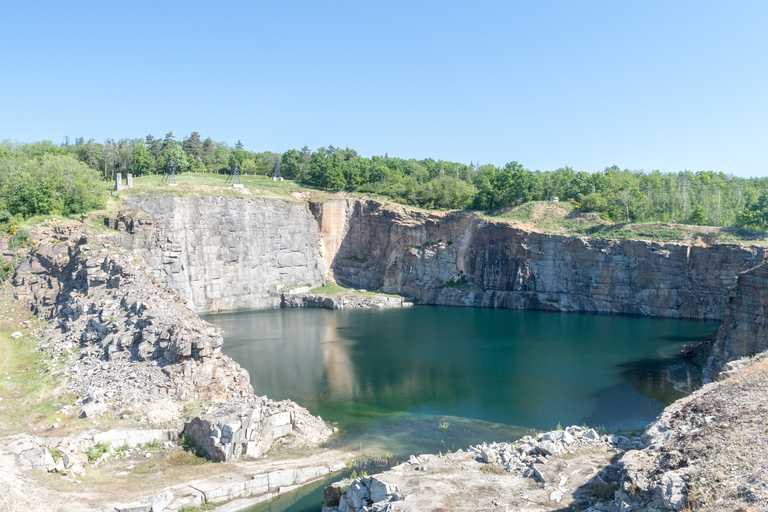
x,y
227,253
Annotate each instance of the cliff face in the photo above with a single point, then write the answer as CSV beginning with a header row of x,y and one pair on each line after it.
x,y
744,330
463,259
228,253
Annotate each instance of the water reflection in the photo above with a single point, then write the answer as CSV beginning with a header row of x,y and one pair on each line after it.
x,y
388,378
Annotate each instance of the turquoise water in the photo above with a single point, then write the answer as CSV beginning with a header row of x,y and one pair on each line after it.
x,y
428,379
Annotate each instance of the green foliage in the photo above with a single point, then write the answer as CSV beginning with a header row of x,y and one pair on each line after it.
x,y
97,450
37,181
189,443
40,178
55,454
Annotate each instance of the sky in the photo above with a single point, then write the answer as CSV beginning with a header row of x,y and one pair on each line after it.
x,y
668,85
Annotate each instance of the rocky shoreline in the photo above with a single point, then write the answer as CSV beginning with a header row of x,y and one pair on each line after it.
x,y
342,301
707,452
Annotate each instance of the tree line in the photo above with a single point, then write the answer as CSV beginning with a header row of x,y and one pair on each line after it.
x,y
619,195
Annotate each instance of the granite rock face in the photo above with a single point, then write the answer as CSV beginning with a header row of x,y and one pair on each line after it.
x,y
225,253
229,253
459,258
744,330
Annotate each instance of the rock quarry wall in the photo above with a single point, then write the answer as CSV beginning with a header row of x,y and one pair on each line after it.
x,y
463,259
744,330
130,341
224,253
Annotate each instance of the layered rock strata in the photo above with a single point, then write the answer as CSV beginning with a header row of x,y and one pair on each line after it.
x,y
463,259
224,253
744,330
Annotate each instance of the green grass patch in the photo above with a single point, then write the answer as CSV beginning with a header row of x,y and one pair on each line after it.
x,y
203,183
330,289
492,469
355,259
97,450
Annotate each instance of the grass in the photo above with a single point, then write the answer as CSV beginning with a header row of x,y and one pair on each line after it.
x,y
201,183
561,218
330,288
493,469
28,388
97,450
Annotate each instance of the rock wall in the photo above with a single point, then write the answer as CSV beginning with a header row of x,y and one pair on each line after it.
x,y
130,340
134,338
744,330
225,253
465,260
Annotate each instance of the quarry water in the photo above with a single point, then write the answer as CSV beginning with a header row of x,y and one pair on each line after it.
x,y
428,379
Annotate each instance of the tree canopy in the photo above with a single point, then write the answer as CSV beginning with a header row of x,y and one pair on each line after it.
x,y
49,177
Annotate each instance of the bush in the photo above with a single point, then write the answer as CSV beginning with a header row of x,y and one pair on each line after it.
x,y
97,450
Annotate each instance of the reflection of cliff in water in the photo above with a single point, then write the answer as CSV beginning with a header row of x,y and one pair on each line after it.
x,y
665,379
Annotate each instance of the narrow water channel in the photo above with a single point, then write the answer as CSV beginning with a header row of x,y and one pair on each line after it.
x,y
429,379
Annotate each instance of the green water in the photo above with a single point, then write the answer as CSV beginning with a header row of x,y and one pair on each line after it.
x,y
426,379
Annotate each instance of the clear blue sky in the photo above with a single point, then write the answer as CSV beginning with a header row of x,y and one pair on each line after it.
x,y
667,85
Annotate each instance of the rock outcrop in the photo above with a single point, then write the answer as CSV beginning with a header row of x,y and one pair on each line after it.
x,y
569,469
706,451
136,339
460,258
225,253
249,428
343,301
744,330
130,341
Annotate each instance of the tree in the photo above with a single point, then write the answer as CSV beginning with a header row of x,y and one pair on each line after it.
x,y
176,154
192,145
142,160
306,156
239,145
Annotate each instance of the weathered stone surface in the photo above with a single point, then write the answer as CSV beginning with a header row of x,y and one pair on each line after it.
x,y
139,340
454,258
225,253
744,330
345,301
461,259
497,476
250,428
